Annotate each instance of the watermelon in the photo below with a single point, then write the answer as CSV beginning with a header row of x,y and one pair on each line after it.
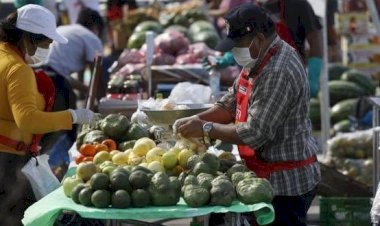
x,y
364,81
342,90
149,25
136,40
343,126
315,113
200,26
336,70
210,38
343,109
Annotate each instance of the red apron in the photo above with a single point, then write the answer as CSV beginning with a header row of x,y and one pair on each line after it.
x,y
251,158
47,89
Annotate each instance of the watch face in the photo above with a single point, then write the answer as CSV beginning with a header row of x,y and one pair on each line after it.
x,y
207,126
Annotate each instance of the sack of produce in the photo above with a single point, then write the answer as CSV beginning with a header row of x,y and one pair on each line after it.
x,y
356,145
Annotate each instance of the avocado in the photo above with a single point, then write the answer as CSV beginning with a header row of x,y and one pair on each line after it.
x,y
101,198
85,196
120,199
120,180
141,168
99,181
75,192
190,180
139,179
140,198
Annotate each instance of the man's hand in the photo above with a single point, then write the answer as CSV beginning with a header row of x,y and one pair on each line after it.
x,y
178,124
191,128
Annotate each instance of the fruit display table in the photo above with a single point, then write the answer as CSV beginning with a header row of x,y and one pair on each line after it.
x,y
46,211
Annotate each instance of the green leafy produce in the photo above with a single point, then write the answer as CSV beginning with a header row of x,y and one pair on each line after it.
x,y
254,190
114,126
94,136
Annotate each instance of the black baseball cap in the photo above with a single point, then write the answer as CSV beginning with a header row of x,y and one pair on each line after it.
x,y
242,20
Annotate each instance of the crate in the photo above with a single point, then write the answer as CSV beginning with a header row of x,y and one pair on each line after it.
x,y
343,211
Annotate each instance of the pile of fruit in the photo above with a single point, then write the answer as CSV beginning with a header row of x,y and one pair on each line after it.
x,y
205,180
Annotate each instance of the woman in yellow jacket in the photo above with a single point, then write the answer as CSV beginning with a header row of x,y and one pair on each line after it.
x,y
26,97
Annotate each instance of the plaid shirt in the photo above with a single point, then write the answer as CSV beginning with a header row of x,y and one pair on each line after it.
x,y
278,123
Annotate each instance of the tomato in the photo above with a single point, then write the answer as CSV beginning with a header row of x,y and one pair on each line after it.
x,y
111,144
87,150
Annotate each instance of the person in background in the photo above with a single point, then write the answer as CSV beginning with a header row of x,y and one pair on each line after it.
x,y
332,36
63,60
265,113
223,7
71,9
26,101
296,23
49,4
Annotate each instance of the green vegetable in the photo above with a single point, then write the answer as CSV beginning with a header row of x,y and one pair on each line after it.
x,y
341,110
342,90
254,190
149,26
364,81
336,71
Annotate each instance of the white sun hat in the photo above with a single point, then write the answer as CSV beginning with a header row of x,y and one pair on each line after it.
x,y
38,20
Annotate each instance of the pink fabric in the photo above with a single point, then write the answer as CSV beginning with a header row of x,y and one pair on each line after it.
x,y
229,4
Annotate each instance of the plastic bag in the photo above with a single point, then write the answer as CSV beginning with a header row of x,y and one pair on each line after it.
x,y
188,93
375,210
40,176
357,145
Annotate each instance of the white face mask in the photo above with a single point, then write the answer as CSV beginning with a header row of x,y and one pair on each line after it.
x,y
243,56
40,56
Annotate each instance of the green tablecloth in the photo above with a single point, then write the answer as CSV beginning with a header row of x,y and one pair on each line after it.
x,y
45,211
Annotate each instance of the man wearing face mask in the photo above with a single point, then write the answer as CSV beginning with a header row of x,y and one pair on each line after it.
x,y
26,101
265,113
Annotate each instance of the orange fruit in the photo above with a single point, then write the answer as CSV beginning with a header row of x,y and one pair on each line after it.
x,y
111,144
87,150
101,147
86,159
79,158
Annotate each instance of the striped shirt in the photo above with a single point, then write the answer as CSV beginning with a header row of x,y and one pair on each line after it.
x,y
278,123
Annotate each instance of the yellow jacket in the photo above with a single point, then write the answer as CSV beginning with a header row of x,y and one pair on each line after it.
x,y
21,105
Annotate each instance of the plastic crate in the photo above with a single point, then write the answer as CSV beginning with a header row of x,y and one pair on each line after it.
x,y
344,211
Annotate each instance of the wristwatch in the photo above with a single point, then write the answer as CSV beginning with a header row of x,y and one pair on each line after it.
x,y
207,127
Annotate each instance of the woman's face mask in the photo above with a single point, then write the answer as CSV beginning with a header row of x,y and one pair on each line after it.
x,y
40,56
243,57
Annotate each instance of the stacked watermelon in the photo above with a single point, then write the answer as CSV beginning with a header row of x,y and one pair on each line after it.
x,y
346,86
